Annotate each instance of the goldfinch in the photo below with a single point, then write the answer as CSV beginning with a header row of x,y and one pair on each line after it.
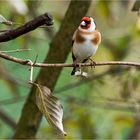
x,y
85,42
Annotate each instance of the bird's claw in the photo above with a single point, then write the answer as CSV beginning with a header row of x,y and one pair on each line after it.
x,y
93,63
74,63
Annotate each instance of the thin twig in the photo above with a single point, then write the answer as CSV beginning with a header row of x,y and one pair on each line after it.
x,y
96,103
10,101
103,104
26,62
7,119
18,50
31,72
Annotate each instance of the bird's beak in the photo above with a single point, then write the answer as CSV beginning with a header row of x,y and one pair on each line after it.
x,y
83,23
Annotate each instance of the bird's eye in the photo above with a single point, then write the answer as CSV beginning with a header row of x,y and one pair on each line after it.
x,y
88,22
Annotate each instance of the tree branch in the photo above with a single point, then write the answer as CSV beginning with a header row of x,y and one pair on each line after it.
x,y
58,52
136,6
27,27
8,120
27,62
17,50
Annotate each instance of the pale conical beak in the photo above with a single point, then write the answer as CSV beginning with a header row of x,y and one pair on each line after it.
x,y
83,23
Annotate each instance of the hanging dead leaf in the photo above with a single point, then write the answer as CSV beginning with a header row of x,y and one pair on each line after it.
x,y
5,21
51,107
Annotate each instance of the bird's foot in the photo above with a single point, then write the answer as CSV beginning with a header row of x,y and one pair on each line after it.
x,y
79,72
74,63
93,63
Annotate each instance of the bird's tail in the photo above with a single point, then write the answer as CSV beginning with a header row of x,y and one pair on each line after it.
x,y
73,71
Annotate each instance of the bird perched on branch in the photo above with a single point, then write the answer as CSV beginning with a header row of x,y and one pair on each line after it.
x,y
85,41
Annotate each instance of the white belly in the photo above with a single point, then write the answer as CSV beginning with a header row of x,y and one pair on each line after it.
x,y
84,51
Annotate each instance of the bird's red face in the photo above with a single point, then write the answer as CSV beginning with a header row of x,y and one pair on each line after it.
x,y
86,23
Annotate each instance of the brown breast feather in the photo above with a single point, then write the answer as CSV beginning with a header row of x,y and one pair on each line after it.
x,y
96,37
78,37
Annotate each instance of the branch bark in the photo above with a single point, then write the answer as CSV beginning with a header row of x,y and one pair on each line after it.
x,y
59,50
27,27
27,62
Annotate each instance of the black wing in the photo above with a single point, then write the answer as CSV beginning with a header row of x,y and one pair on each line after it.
x,y
72,42
73,57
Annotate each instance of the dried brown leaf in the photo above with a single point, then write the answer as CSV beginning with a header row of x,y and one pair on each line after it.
x,y
51,107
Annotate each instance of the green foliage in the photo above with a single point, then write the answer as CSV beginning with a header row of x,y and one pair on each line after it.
x,y
105,107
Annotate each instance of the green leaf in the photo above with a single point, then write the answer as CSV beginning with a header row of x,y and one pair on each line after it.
x,y
51,107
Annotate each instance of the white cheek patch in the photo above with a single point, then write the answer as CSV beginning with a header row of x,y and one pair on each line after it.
x,y
83,23
90,29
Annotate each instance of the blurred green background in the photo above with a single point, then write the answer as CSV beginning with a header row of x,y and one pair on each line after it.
x,y
105,106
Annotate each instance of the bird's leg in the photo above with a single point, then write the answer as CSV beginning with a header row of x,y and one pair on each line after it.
x,y
92,62
80,68
74,63
82,73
